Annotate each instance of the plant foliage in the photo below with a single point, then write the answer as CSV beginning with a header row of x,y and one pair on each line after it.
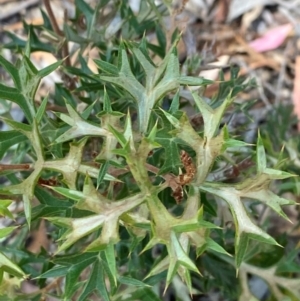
x,y
128,188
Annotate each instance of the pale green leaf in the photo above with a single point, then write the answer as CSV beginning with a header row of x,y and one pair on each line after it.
x,y
7,265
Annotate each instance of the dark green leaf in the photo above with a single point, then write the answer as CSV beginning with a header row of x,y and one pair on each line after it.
x,y
12,70
57,271
8,139
95,282
49,69
102,172
172,159
41,110
132,281
107,67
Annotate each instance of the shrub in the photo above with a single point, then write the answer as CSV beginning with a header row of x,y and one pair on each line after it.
x,y
131,188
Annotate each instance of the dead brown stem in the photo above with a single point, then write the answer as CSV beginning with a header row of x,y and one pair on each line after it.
x,y
15,167
65,50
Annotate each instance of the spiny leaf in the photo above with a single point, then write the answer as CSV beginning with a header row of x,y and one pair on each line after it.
x,y
172,161
15,95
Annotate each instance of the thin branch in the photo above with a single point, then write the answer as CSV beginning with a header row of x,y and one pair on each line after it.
x,y
52,18
15,167
64,50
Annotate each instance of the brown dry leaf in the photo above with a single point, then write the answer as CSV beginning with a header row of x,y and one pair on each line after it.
x,y
271,63
250,16
213,73
39,239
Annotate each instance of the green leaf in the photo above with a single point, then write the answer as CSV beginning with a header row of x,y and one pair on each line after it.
x,y
49,69
126,79
12,70
162,66
79,127
161,37
169,82
245,228
111,261
122,140
89,13
132,281
261,160
188,226
4,210
181,255
18,126
234,144
276,174
211,117
172,161
147,66
41,110
72,35
8,266
57,271
15,95
102,172
35,43
288,263
73,266
269,198
145,294
68,193
241,244
95,282
184,130
6,231
175,104
8,139
212,245
107,67
72,276
106,102
194,81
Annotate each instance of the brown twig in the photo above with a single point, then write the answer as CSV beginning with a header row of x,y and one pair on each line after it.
x,y
53,107
64,53
53,21
52,18
15,167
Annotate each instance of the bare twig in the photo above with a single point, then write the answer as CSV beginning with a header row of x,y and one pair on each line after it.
x,y
15,167
52,18
64,52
